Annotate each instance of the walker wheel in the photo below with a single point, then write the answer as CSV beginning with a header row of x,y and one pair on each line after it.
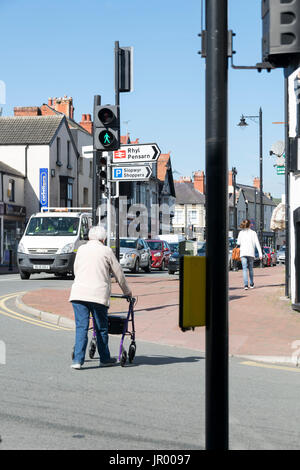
x,y
123,358
92,349
131,352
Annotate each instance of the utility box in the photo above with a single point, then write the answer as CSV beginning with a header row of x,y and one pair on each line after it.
x,y
192,292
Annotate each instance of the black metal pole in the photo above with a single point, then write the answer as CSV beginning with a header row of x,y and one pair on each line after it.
x,y
117,102
216,363
287,197
97,101
261,227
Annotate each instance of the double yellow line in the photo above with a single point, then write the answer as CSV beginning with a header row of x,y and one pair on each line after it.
x,y
4,310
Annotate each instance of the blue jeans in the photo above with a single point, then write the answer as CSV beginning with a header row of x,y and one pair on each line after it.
x,y
82,312
247,264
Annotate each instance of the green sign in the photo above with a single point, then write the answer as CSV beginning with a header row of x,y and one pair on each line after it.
x,y
280,170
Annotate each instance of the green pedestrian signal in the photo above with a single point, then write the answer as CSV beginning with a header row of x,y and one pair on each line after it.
x,y
106,138
107,127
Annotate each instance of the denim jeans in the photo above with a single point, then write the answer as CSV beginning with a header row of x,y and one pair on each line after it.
x,y
247,264
82,312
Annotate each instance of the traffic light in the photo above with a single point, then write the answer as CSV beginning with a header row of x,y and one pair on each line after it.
x,y
103,173
107,127
281,32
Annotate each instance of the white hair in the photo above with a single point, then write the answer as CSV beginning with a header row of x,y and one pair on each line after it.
x,y
97,232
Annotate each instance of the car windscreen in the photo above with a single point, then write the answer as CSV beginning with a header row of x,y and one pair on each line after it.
x,y
173,247
53,226
154,245
130,243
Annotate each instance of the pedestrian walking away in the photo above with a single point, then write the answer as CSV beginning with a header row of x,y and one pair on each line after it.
x,y
90,294
248,241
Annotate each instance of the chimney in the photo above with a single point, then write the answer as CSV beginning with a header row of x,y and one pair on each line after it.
x,y
185,179
230,178
199,181
27,111
256,182
86,123
63,105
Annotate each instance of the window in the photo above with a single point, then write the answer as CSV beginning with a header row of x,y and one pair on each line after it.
x,y
69,166
193,217
58,156
179,217
85,197
11,190
91,170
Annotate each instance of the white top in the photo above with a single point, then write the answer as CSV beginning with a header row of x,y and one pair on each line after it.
x,y
93,265
248,240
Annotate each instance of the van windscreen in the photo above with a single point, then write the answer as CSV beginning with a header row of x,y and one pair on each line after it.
x,y
53,226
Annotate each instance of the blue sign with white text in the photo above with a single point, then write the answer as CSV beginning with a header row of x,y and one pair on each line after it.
x,y
44,187
118,173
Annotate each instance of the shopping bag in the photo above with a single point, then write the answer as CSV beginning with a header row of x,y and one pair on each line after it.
x,y
236,254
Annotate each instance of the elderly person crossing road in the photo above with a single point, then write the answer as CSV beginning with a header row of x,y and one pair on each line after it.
x,y
90,293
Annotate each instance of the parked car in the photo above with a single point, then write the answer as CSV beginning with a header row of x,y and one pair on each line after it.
x,y
135,254
281,255
269,257
174,258
173,265
160,252
174,247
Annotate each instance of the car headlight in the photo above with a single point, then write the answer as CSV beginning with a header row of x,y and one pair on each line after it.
x,y
21,248
67,248
157,254
130,255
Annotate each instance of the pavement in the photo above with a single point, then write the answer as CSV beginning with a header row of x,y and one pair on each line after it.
x,y
262,324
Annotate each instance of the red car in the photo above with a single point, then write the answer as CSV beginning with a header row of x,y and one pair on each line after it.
x,y
160,252
269,258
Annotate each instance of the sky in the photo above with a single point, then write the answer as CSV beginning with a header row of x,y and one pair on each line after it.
x,y
66,47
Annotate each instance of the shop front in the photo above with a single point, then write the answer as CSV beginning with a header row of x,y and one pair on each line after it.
x,y
12,226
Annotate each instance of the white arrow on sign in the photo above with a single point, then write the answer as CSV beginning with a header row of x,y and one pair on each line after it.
x,y
131,173
136,153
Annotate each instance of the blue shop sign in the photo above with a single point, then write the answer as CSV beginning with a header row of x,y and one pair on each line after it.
x,y
44,187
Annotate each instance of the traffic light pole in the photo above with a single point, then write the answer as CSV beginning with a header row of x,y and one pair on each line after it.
x,y
216,363
97,101
117,102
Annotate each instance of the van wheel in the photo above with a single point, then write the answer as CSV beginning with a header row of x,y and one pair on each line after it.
x,y
24,275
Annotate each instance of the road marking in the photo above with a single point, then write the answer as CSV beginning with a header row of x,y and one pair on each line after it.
x,y
25,318
269,366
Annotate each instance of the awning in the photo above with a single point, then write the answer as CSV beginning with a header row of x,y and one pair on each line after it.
x,y
278,217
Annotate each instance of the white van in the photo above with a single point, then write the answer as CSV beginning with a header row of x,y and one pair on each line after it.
x,y
51,240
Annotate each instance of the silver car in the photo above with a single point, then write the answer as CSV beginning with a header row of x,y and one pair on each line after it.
x,y
281,255
135,254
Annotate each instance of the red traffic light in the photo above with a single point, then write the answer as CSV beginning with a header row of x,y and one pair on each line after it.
x,y
106,116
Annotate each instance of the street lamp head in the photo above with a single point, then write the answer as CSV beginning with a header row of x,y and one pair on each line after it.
x,y
242,122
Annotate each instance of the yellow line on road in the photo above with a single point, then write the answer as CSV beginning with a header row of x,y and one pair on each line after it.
x,y
18,316
270,366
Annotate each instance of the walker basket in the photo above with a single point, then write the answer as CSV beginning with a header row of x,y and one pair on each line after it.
x,y
116,324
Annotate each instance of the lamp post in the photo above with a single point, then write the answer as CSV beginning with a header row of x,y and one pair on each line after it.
x,y
234,173
243,123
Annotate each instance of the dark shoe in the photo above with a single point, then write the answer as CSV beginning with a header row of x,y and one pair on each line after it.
x,y
252,287
246,287
110,362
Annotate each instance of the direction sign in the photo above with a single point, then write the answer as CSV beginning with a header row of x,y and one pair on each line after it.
x,y
136,153
131,173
